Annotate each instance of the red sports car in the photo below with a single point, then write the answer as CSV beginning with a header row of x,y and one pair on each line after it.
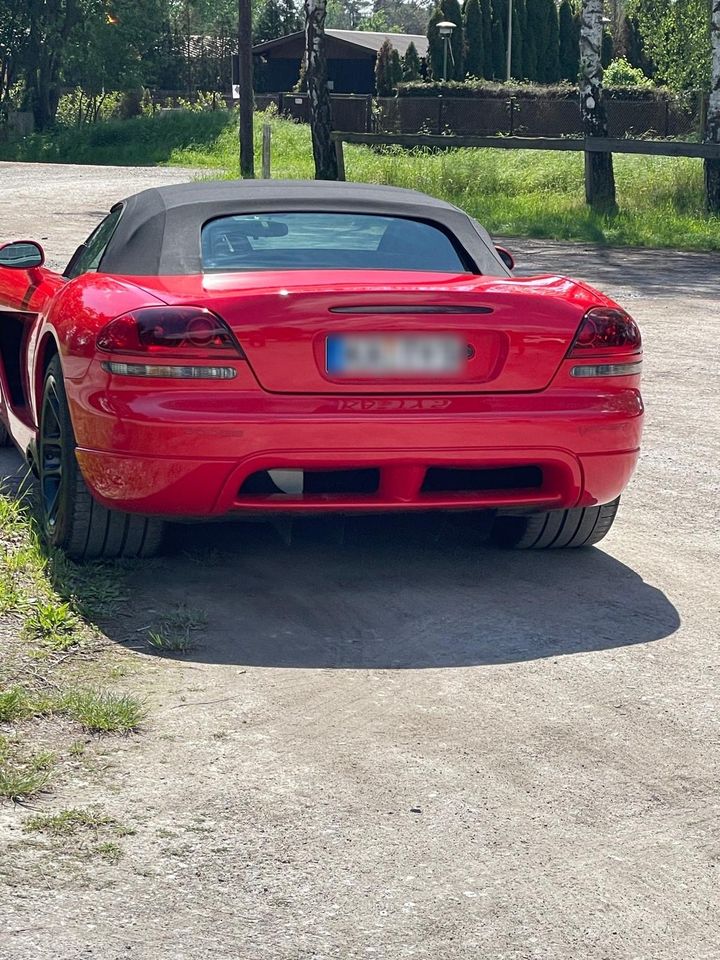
x,y
263,348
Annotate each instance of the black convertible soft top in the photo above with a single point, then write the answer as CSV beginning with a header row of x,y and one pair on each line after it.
x,y
159,230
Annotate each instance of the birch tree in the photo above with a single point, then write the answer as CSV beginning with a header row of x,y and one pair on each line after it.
x,y
712,132
318,94
599,177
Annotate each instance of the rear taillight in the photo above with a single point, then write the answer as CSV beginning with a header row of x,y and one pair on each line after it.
x,y
176,331
605,331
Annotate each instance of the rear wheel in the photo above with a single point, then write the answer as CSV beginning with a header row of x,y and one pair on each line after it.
x,y
581,527
71,519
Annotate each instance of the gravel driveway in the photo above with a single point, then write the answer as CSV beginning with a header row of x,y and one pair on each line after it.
x,y
408,745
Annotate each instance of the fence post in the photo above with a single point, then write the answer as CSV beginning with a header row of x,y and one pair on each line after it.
x,y
512,115
667,117
266,141
440,116
340,156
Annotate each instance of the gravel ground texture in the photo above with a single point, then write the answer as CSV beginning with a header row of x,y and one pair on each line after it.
x,y
407,744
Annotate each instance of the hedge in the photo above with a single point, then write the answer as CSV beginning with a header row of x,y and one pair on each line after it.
x,y
487,90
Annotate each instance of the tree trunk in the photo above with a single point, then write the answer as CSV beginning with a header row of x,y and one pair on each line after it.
x,y
712,128
319,96
245,81
599,177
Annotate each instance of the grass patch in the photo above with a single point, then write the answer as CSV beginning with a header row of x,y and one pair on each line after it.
x,y
67,823
175,633
85,828
22,776
102,711
53,624
17,703
137,142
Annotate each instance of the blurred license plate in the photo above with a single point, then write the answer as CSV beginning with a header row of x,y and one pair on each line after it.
x,y
401,354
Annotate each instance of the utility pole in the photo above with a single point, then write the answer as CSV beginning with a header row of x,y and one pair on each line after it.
x,y
245,81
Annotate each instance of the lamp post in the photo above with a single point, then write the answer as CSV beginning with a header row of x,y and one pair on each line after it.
x,y
445,29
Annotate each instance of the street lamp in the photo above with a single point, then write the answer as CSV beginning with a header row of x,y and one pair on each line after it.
x,y
445,29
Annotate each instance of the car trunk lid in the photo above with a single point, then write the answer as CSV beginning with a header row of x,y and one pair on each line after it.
x,y
513,333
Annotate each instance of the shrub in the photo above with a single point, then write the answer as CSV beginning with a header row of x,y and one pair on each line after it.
x,y
620,73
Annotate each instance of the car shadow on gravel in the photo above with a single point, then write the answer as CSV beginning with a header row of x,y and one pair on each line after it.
x,y
394,593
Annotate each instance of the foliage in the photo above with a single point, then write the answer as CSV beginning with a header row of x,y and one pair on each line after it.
x,y
548,44
488,89
276,18
676,38
411,65
608,49
569,47
474,39
620,73
518,31
435,45
499,19
388,70
448,10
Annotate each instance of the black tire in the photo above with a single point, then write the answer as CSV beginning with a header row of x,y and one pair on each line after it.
x,y
71,519
581,527
4,436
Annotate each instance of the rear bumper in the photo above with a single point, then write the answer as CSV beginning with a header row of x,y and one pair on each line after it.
x,y
187,453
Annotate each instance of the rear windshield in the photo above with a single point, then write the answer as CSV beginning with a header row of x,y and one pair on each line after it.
x,y
327,241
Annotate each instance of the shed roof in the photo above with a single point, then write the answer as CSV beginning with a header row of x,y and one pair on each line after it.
x,y
358,38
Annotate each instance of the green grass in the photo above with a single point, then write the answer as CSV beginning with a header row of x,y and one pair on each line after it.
x,y
512,192
98,711
79,825
67,823
175,632
102,711
23,775
53,624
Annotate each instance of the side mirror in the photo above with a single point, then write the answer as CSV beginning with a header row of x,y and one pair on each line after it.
x,y
21,255
506,257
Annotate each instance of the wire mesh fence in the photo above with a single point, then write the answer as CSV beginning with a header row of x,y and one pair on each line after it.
x,y
679,116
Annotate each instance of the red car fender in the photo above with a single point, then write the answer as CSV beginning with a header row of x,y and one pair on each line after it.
x,y
72,322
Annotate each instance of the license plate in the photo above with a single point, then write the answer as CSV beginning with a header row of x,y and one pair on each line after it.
x,y
377,355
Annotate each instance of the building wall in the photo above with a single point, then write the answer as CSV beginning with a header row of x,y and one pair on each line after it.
x,y
278,74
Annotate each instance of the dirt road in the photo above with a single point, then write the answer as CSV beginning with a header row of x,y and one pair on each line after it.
x,y
408,745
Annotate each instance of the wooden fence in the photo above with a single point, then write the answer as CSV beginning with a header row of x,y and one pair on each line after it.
x,y
654,148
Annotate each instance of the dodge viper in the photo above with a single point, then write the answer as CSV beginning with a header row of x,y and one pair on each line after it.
x,y
271,348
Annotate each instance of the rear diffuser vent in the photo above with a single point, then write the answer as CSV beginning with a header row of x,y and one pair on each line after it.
x,y
461,480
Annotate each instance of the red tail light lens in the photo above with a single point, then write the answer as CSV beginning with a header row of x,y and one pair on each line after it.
x,y
180,331
605,330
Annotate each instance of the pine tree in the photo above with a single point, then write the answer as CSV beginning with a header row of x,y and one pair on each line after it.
x,y
395,72
486,11
453,13
474,50
607,49
517,41
383,70
435,45
499,39
569,43
548,43
530,39
411,64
